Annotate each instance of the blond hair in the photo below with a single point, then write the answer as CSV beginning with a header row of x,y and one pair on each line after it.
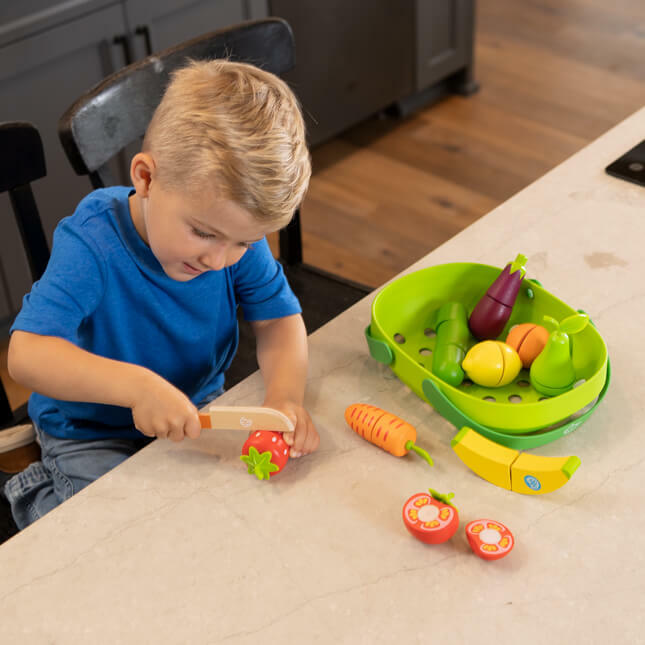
x,y
235,128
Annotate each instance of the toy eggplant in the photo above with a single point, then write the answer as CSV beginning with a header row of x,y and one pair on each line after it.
x,y
452,342
492,312
552,372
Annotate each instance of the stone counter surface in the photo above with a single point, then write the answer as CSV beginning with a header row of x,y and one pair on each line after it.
x,y
180,545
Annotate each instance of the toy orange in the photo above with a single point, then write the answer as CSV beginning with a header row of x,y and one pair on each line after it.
x,y
528,340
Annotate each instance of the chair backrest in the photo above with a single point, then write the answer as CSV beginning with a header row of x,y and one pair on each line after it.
x,y
116,112
22,161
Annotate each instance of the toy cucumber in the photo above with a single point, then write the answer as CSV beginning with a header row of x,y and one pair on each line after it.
x,y
453,338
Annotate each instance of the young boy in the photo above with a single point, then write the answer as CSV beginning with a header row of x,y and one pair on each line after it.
x,y
133,324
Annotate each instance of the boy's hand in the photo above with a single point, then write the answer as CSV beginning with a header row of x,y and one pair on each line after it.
x,y
304,439
163,411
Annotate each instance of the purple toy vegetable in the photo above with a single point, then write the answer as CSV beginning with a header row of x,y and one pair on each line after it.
x,y
492,312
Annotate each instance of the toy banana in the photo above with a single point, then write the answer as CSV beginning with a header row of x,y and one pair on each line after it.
x,y
507,468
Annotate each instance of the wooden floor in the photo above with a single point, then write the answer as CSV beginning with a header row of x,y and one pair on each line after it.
x,y
554,75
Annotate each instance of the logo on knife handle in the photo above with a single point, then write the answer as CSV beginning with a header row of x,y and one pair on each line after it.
x,y
245,422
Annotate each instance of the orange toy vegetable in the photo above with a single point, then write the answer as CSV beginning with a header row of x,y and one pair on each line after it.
x,y
528,340
384,430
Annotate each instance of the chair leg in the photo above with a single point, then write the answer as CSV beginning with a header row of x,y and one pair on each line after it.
x,y
6,413
31,229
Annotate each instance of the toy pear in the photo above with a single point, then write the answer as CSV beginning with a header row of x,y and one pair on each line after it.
x,y
552,372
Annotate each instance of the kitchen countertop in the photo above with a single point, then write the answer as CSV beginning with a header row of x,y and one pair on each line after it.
x,y
180,545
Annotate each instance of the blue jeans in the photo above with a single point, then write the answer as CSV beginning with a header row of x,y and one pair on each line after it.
x,y
66,466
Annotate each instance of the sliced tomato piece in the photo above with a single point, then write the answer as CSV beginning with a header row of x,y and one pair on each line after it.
x,y
489,539
430,517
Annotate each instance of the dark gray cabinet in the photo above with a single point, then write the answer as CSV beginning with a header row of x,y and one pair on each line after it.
x,y
43,67
50,53
444,35
354,59
158,25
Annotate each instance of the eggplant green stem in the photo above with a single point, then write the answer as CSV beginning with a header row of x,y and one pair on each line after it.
x,y
519,263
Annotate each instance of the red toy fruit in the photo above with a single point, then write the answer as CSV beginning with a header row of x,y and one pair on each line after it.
x,y
431,518
489,539
265,453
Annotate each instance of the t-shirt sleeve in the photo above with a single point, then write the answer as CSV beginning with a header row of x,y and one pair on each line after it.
x,y
261,286
68,292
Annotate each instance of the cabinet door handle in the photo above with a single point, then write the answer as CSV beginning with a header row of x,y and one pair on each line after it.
x,y
144,30
123,40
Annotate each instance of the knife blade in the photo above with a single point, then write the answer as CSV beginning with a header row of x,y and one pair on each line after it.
x,y
245,418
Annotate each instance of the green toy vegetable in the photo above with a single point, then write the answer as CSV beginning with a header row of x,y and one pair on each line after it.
x,y
453,339
552,372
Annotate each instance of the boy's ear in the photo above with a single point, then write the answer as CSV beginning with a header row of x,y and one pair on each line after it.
x,y
142,168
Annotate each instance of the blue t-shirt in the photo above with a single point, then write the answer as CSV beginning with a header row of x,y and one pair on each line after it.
x,y
105,291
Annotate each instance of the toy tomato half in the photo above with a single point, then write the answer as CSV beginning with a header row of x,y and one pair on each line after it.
x,y
489,539
431,518
265,453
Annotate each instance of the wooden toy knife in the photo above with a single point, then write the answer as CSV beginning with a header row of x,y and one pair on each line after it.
x,y
246,418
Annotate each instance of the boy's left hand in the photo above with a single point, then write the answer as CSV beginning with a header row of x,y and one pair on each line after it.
x,y
304,439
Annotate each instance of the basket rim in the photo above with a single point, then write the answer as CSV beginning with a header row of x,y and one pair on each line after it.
x,y
557,408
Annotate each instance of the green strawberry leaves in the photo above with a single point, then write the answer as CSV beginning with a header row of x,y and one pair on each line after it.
x,y
259,464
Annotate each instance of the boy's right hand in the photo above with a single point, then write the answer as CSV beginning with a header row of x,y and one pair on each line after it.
x,y
163,411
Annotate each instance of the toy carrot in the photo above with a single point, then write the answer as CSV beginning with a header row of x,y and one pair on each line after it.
x,y
384,430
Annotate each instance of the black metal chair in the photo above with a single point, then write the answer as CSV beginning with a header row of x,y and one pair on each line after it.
x,y
115,114
22,161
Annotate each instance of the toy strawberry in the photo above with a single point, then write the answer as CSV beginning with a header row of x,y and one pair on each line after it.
x,y
265,453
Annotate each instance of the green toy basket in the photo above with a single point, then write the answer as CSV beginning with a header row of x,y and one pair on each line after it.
x,y
401,335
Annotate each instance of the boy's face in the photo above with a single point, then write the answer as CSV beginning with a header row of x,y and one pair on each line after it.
x,y
191,236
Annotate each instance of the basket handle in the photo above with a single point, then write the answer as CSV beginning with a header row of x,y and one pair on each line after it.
x,y
448,411
379,350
